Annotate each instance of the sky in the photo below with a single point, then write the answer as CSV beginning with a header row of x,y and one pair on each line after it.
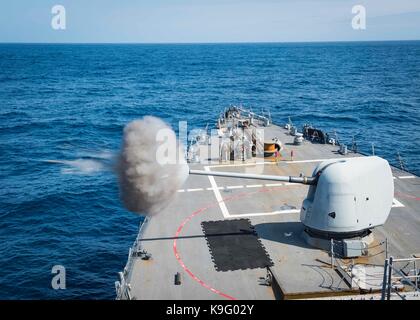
x,y
190,21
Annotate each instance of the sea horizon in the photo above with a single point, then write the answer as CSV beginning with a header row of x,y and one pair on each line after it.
x,y
212,43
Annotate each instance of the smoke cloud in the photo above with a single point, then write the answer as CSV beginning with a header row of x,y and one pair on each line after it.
x,y
80,166
151,166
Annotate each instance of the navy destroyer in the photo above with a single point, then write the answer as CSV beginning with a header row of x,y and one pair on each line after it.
x,y
269,212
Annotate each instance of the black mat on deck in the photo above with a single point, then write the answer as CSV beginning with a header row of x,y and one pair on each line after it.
x,y
234,245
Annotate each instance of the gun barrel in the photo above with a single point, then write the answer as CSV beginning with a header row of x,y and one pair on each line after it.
x,y
301,180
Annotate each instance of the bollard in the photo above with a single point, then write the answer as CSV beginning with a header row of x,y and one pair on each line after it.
x,y
177,279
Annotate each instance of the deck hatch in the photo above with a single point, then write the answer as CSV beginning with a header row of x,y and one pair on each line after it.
x,y
234,245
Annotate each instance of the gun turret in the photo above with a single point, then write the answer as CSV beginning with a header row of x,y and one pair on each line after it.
x,y
346,199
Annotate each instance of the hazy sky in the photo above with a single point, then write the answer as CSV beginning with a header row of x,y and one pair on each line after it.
x,y
208,20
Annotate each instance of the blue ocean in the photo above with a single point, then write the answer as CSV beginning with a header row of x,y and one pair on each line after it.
x,y
63,109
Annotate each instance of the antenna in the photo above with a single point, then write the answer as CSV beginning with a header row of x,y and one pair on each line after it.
x,y
401,161
354,145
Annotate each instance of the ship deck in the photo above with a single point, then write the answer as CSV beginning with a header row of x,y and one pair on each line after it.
x,y
223,234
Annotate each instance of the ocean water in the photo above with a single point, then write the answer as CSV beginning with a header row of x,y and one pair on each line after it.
x,y
63,108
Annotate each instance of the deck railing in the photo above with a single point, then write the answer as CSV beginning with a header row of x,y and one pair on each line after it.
x,y
394,273
344,265
123,287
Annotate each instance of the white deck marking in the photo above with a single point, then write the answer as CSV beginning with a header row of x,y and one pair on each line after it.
x,y
217,194
286,184
294,184
211,189
277,162
241,164
397,204
321,160
264,213
273,184
406,177
224,209
242,186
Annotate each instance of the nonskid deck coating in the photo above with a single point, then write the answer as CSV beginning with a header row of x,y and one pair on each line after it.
x,y
273,210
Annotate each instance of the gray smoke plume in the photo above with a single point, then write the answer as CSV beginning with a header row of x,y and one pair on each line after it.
x,y
148,177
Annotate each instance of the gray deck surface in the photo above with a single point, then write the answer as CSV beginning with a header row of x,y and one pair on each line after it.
x,y
273,210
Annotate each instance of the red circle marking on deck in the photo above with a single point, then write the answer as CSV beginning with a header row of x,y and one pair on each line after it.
x,y
186,220
408,196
